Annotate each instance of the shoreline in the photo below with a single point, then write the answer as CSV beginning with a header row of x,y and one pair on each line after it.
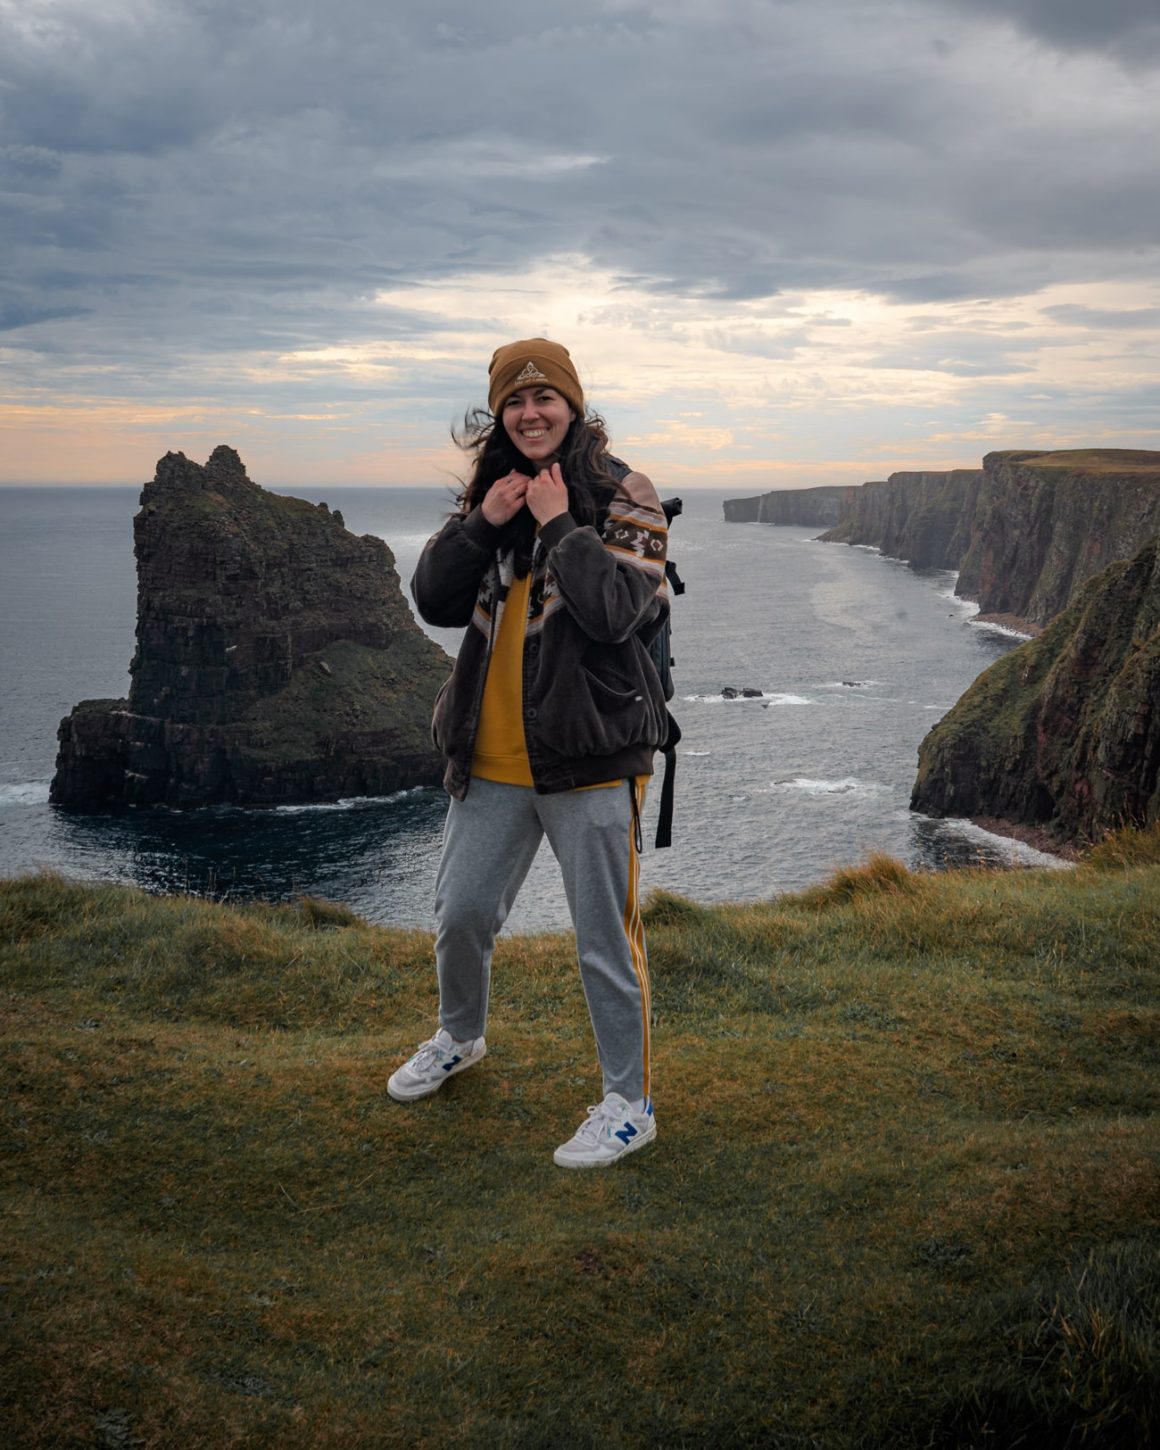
x,y
1037,837
1013,622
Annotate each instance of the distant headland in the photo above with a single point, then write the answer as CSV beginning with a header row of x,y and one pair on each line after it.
x,y
1062,736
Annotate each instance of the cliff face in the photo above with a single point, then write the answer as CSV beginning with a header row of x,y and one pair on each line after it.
x,y
923,518
276,658
1025,531
1063,732
811,508
1046,523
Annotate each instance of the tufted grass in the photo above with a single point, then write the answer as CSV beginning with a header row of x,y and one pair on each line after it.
x,y
905,1191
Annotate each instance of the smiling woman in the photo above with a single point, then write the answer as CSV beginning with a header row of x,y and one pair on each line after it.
x,y
554,563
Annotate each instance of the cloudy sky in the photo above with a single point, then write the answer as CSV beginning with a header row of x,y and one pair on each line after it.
x,y
788,241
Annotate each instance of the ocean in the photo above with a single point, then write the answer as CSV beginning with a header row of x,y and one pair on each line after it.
x,y
856,656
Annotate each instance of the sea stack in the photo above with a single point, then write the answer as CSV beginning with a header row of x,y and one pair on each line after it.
x,y
277,661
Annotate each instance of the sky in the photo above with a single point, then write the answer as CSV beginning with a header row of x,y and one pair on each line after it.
x,y
788,242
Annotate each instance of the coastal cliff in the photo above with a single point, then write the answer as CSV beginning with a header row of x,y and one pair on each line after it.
x,y
1064,732
276,658
1025,531
923,518
1045,523
811,508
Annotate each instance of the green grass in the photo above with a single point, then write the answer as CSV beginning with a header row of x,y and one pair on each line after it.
x,y
1142,461
905,1190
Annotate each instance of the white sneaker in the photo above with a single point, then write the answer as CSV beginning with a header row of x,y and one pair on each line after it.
x,y
612,1130
432,1064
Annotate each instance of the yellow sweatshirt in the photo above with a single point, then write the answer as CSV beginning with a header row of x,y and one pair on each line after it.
x,y
501,752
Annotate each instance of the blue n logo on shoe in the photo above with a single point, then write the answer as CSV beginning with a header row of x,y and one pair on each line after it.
x,y
447,1066
625,1134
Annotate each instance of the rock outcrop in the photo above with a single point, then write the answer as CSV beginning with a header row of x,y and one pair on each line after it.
x,y
810,508
1063,732
276,659
924,518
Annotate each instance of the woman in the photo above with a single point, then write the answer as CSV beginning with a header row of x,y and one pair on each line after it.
x,y
555,564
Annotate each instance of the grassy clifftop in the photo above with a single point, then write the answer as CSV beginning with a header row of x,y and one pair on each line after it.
x,y
1118,462
905,1192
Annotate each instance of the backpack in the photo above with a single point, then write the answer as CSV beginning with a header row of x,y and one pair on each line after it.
x,y
661,652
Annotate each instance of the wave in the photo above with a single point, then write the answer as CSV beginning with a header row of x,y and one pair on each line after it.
x,y
1003,629
29,793
847,785
768,697
1016,850
349,803
964,606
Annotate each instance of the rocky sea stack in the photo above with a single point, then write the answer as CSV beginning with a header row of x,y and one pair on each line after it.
x,y
1064,732
276,662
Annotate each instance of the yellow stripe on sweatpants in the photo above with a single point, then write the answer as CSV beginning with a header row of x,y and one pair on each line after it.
x,y
634,928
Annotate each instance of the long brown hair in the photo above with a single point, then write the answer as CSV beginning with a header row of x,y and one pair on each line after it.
x,y
583,462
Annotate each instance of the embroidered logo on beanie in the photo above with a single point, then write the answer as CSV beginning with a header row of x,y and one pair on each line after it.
x,y
531,374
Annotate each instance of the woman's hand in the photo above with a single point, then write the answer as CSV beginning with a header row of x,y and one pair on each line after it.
x,y
547,494
505,498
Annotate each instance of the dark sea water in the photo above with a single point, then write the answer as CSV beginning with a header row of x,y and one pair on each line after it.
x,y
856,656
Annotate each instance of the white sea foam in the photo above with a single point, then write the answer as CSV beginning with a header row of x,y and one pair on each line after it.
x,y
349,803
848,785
1016,850
989,624
767,698
29,793
964,606
696,752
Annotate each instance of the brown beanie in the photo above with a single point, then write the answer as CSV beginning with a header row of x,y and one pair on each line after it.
x,y
530,363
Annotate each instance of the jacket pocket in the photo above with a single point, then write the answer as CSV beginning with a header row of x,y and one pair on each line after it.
x,y
603,707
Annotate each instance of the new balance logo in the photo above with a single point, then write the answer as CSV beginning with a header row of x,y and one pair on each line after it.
x,y
625,1134
447,1066
532,374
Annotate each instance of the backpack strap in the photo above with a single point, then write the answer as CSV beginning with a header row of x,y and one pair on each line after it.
x,y
664,836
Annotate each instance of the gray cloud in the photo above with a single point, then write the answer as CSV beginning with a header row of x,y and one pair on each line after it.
x,y
1128,29
1101,318
202,178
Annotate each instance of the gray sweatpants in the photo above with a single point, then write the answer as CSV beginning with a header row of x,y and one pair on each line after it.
x,y
489,842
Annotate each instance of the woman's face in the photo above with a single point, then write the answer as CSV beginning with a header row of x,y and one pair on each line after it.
x,y
536,420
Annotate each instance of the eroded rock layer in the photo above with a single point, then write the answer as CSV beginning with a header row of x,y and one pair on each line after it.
x,y
276,659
